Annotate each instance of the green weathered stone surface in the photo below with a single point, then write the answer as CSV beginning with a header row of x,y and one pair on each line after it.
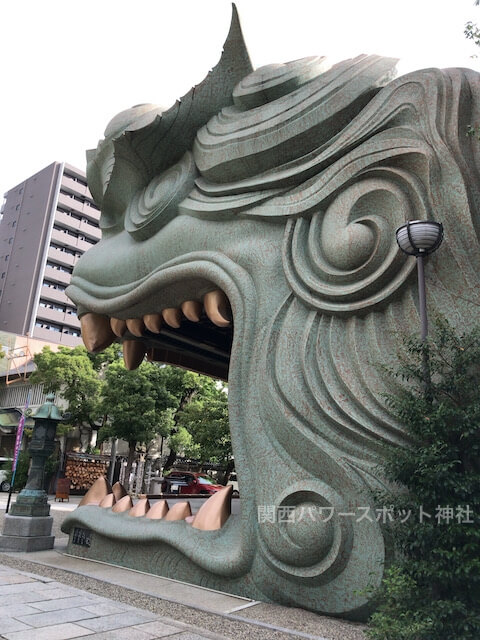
x,y
287,198
31,502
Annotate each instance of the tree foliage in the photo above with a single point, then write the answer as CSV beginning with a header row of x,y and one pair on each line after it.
x,y
71,374
187,409
205,418
135,402
433,590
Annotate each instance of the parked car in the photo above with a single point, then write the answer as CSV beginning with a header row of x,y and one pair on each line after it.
x,y
234,482
189,482
5,466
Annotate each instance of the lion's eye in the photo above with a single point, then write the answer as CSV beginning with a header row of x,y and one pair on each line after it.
x,y
154,206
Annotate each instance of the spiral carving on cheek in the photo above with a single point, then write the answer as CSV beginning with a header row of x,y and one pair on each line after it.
x,y
346,258
153,207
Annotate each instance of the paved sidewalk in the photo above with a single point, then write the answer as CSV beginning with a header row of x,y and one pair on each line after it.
x,y
38,608
48,595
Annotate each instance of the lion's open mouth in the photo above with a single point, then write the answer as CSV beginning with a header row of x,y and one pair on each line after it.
x,y
196,335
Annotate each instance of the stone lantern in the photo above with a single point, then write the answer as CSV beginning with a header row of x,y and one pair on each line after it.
x,y
28,526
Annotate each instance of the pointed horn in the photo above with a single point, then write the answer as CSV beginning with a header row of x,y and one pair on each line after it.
x,y
158,511
213,513
124,504
119,491
108,501
140,509
99,489
179,511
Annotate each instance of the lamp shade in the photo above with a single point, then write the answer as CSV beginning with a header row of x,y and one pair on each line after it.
x,y
419,237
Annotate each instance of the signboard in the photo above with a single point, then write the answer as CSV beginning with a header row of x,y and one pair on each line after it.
x,y
82,537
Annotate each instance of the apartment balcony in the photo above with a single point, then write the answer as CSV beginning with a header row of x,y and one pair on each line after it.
x,y
72,321
54,295
56,275
63,238
72,185
83,245
61,257
91,212
90,231
50,315
58,337
70,203
67,320
67,221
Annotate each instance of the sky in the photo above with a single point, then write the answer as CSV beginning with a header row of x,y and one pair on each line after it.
x,y
68,67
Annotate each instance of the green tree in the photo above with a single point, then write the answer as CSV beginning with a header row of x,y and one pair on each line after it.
x,y
471,31
195,393
137,404
72,375
205,419
433,589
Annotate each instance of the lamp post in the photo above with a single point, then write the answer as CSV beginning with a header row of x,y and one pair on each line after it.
x,y
28,526
420,238
33,500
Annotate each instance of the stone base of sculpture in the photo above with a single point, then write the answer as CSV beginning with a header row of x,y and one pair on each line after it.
x,y
25,533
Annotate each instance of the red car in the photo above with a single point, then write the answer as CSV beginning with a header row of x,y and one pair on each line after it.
x,y
189,482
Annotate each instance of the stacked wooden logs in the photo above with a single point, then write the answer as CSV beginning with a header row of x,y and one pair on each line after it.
x,y
84,472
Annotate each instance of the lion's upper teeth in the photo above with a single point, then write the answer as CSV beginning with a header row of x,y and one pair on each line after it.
x,y
96,332
192,310
133,353
99,331
136,326
173,317
217,308
153,322
118,326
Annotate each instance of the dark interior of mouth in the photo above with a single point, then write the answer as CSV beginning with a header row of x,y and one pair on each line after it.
x,y
199,346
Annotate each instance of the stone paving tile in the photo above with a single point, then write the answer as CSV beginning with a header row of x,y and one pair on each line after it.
x,y
161,630
103,608
64,603
158,629
17,598
106,623
192,636
55,632
16,609
127,633
52,593
14,579
8,589
48,618
10,624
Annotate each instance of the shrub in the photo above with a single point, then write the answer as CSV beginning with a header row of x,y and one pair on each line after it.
x,y
21,474
433,589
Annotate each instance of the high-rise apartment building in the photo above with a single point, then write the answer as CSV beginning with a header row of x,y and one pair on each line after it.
x,y
47,223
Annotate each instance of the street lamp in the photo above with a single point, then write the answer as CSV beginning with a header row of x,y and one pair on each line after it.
x,y
419,238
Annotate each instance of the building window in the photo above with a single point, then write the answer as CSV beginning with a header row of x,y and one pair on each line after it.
x,y
72,332
49,326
